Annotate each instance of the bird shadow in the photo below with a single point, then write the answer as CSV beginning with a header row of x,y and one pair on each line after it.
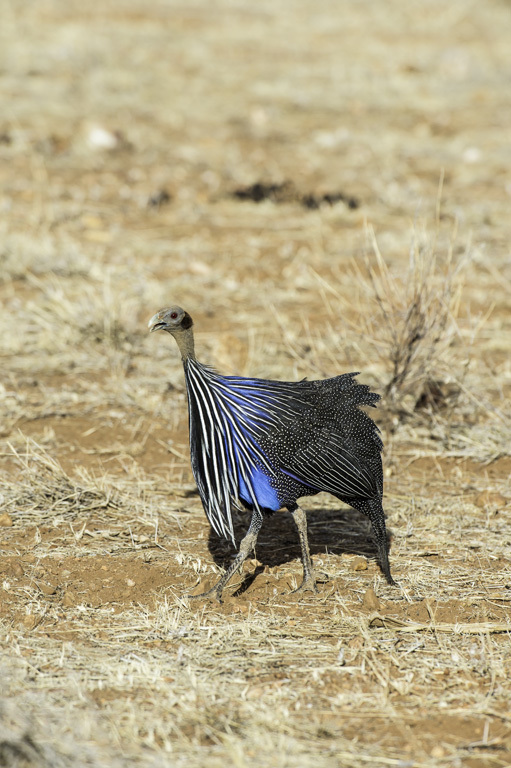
x,y
330,531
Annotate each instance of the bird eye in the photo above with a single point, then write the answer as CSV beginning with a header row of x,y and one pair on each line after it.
x,y
173,315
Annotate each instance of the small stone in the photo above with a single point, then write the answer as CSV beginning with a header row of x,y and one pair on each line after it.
x,y
359,564
130,582
29,621
255,692
100,138
490,500
370,600
68,600
6,520
16,570
47,588
437,751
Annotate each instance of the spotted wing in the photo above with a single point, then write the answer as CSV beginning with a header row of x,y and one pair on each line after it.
x,y
327,464
338,444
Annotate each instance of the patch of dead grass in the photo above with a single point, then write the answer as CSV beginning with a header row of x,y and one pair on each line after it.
x,y
104,662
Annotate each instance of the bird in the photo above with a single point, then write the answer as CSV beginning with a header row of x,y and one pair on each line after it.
x,y
261,444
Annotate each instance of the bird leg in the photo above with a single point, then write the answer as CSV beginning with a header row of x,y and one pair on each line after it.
x,y
380,535
374,510
308,583
247,545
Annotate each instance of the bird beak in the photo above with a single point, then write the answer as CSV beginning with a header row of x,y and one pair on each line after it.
x,y
155,323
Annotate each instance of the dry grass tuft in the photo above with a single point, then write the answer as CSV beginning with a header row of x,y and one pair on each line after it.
x,y
408,329
44,491
414,324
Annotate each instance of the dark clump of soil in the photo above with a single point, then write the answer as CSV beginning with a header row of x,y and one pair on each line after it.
x,y
331,198
162,197
286,192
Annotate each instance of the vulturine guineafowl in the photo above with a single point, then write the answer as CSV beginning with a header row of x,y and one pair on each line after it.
x,y
264,444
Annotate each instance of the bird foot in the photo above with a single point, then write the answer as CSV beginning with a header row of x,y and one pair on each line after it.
x,y
209,594
307,585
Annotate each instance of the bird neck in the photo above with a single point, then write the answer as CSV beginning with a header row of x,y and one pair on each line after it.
x,y
185,342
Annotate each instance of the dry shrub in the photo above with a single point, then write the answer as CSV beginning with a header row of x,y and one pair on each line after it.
x,y
413,325
407,328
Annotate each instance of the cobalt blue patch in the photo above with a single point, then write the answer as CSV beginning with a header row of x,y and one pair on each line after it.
x,y
266,496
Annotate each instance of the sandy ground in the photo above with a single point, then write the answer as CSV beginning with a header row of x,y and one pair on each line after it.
x,y
325,187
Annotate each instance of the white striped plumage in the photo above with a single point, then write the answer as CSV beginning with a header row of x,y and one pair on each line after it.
x,y
226,453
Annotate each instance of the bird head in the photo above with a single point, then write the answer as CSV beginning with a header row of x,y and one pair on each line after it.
x,y
171,319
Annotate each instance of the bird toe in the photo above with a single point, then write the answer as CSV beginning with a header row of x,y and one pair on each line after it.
x,y
307,585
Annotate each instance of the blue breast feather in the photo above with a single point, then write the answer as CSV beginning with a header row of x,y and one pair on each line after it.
x,y
266,496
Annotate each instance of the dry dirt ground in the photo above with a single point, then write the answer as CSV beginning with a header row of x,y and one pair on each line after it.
x,y
325,187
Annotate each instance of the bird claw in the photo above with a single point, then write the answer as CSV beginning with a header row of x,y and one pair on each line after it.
x,y
307,585
209,594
